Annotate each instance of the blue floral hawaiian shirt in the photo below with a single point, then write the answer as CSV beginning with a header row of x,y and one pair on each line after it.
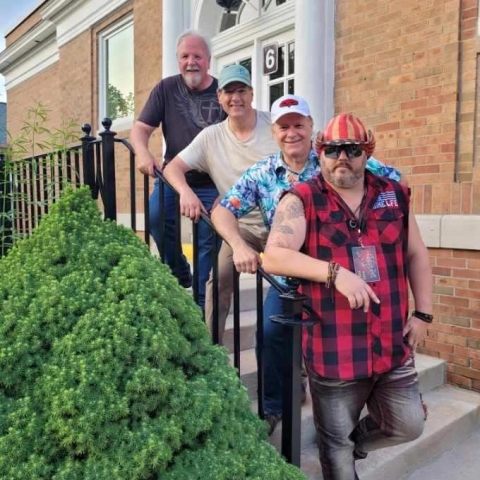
x,y
263,184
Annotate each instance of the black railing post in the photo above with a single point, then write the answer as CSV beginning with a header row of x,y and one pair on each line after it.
x,y
88,161
291,319
6,224
260,362
215,299
108,156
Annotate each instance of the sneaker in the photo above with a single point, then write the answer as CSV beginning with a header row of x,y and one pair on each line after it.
x,y
272,420
186,282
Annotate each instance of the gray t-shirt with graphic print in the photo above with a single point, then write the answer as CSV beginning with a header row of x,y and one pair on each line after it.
x,y
182,113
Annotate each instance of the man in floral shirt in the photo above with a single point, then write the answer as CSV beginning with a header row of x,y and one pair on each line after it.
x,y
261,186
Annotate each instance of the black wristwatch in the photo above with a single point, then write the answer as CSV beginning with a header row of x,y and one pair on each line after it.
x,y
426,317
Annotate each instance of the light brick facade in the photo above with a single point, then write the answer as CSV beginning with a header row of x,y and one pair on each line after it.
x,y
409,68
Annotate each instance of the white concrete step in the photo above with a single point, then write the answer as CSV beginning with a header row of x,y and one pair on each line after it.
x,y
248,327
462,462
431,375
248,292
454,415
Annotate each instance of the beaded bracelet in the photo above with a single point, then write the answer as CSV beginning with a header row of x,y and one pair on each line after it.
x,y
333,268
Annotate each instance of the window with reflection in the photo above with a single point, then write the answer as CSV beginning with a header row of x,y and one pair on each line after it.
x,y
116,71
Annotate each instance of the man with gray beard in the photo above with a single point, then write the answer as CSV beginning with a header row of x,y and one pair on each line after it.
x,y
183,105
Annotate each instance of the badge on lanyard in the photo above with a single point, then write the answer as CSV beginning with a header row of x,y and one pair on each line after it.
x,y
365,263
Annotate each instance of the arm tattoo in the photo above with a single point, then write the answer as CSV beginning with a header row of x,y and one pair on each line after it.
x,y
284,229
294,208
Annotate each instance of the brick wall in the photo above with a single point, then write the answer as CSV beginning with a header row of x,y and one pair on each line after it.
x,y
70,87
44,87
409,69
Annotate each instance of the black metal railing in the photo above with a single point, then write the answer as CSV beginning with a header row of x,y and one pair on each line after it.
x,y
93,163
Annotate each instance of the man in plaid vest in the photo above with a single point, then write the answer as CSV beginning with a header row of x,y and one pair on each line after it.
x,y
349,236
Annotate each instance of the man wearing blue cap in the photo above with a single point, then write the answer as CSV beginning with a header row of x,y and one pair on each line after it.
x,y
225,151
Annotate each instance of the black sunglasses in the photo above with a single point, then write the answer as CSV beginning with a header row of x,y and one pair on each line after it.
x,y
351,150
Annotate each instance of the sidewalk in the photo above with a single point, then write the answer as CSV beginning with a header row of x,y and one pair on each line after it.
x,y
462,463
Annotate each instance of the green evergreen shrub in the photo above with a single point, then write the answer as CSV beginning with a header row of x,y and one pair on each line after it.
x,y
107,369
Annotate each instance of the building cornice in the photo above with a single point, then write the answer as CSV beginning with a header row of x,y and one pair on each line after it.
x,y
74,18
57,9
25,44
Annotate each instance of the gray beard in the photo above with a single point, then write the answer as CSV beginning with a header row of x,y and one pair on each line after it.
x,y
193,79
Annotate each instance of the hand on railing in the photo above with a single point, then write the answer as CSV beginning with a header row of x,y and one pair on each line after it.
x,y
147,164
245,258
205,216
191,206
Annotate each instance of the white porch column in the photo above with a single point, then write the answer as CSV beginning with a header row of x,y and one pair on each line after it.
x,y
315,56
175,19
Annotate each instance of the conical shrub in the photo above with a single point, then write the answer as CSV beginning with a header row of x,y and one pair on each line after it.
x,y
107,369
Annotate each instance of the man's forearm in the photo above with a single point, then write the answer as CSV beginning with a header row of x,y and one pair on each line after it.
x,y
226,225
421,282
139,137
291,263
175,175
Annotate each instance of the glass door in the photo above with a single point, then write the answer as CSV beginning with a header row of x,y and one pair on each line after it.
x,y
282,81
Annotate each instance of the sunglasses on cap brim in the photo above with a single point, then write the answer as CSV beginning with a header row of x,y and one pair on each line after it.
x,y
352,150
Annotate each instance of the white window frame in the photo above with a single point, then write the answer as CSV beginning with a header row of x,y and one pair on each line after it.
x,y
119,124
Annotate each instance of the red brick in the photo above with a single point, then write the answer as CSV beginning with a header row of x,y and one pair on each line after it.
x,y
467,332
446,272
455,359
466,293
451,262
437,346
467,352
465,273
466,372
451,339
459,380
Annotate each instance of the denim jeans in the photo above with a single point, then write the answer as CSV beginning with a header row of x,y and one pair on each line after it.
x,y
205,236
256,236
272,353
395,415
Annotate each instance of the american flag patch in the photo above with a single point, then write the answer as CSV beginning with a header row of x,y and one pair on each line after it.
x,y
386,199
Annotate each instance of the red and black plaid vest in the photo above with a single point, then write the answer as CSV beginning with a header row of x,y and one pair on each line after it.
x,y
350,344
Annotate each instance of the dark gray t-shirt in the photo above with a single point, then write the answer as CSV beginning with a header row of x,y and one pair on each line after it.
x,y
183,113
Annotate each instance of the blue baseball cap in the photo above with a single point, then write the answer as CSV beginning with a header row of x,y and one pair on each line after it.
x,y
234,73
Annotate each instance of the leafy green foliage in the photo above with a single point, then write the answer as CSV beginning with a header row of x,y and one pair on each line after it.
x,y
30,178
107,368
119,105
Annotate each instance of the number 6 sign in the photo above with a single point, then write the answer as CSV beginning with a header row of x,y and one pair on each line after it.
x,y
270,58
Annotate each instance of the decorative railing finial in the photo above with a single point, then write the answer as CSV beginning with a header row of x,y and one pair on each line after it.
x,y
86,129
107,123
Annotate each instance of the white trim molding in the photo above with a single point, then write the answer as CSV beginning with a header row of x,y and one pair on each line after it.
x,y
121,123
25,44
279,20
33,63
458,232
74,17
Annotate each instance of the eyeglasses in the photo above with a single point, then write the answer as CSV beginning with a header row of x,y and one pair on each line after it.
x,y
351,150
